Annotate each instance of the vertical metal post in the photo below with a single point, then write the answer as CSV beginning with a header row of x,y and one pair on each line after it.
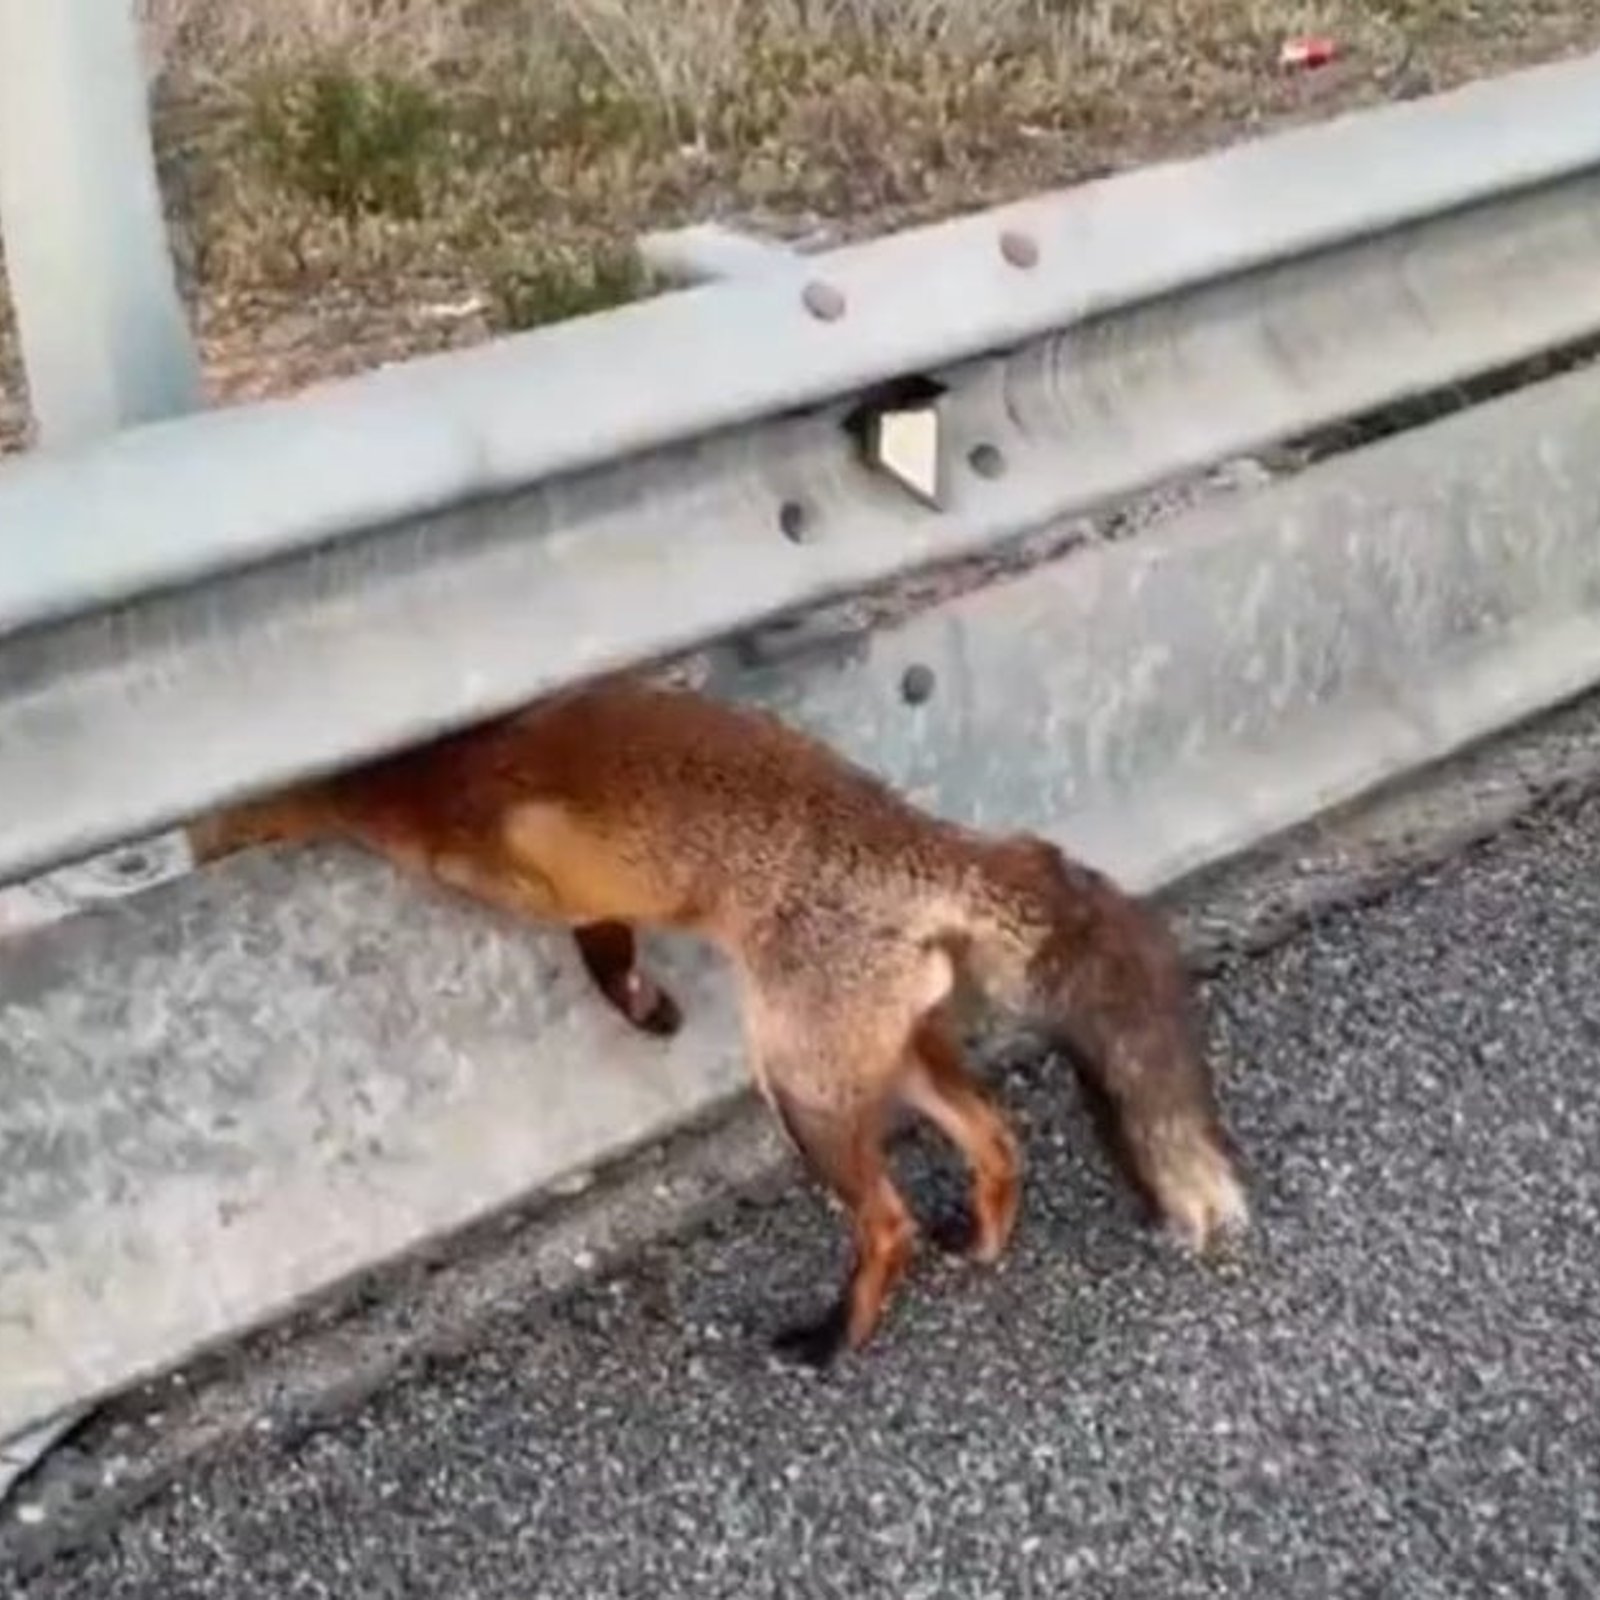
x,y
105,343
103,334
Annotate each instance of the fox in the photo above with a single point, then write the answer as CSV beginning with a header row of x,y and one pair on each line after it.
x,y
853,920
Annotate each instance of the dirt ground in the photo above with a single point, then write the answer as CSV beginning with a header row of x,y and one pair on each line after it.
x,y
350,182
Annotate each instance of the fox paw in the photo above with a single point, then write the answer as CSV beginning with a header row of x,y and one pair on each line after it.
x,y
646,1004
954,1232
815,1344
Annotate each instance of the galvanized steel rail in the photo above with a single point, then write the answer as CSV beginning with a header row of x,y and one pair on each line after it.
x,y
209,605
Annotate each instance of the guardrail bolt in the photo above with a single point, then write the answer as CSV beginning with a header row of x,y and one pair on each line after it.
x,y
916,684
987,460
823,300
795,521
1020,249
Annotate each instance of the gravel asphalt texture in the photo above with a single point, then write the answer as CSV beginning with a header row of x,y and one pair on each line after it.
x,y
1395,1390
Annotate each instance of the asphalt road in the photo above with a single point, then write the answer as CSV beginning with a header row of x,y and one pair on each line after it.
x,y
1396,1392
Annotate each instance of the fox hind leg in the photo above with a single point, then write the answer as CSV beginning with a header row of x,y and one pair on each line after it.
x,y
844,1150
939,1086
829,1025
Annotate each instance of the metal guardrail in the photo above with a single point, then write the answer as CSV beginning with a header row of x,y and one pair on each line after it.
x,y
206,606
298,1064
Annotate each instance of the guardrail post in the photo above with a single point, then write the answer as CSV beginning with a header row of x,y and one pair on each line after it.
x,y
103,334
105,343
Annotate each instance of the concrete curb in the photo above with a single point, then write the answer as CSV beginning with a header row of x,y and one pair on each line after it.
x,y
241,1088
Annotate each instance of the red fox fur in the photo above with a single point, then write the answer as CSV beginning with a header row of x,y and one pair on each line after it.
x,y
848,914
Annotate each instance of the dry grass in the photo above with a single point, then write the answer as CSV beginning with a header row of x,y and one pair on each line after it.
x,y
355,180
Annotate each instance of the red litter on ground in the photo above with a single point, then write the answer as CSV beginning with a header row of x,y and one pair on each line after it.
x,y
1313,51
